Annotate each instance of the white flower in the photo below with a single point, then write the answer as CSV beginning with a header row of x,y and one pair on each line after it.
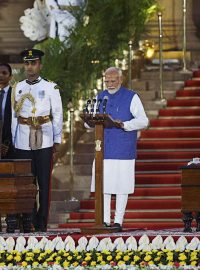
x,y
10,243
60,245
157,242
144,239
181,243
32,241
93,243
105,243
131,243
193,244
169,243
35,22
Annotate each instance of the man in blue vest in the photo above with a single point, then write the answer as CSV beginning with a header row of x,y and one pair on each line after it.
x,y
126,108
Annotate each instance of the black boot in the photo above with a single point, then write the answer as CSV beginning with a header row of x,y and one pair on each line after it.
x,y
11,221
187,219
198,221
27,222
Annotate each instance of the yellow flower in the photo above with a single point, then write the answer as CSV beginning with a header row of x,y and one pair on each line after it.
x,y
93,263
147,258
9,257
120,263
99,258
170,263
182,257
2,263
17,258
136,258
10,264
69,258
45,264
182,263
109,258
35,264
78,257
24,263
118,257
30,254
193,263
88,258
103,263
66,264
48,251
36,251
150,262
170,258
57,259
126,258
28,259
75,264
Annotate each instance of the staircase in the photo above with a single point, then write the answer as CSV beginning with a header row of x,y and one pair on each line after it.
x,y
172,140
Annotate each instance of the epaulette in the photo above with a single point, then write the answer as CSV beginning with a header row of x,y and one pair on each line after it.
x,y
48,80
57,87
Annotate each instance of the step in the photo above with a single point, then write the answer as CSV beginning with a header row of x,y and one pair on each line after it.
x,y
135,215
177,112
158,179
190,83
196,73
132,225
171,133
180,155
188,93
175,122
183,102
168,144
158,166
151,192
140,204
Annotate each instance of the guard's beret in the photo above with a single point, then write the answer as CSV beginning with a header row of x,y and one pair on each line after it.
x,y
31,54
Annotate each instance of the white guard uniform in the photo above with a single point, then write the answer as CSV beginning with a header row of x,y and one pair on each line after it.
x,y
119,175
47,103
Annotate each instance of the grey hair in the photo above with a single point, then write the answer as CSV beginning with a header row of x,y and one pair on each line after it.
x,y
114,69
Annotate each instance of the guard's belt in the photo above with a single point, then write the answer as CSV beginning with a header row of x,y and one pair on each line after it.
x,y
33,121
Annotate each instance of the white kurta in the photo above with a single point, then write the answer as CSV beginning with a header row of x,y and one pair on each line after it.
x,y
119,175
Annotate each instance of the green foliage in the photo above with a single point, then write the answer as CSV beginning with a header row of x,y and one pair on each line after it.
x,y
102,32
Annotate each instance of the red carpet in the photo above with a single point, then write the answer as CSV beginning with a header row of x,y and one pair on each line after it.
x,y
171,141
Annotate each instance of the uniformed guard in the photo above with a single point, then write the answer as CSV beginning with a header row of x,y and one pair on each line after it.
x,y
37,118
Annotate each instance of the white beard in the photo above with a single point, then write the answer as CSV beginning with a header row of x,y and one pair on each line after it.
x,y
113,91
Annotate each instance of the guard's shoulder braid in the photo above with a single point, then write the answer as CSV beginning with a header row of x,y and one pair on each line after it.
x,y
13,95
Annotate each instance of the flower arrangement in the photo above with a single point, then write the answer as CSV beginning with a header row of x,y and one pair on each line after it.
x,y
99,254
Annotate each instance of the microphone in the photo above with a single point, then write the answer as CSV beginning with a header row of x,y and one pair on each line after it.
x,y
105,100
86,106
92,106
98,105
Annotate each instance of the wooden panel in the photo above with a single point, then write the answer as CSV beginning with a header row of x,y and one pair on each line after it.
x,y
22,166
190,189
17,188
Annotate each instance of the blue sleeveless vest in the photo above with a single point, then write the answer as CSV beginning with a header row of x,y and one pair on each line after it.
x,y
119,144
